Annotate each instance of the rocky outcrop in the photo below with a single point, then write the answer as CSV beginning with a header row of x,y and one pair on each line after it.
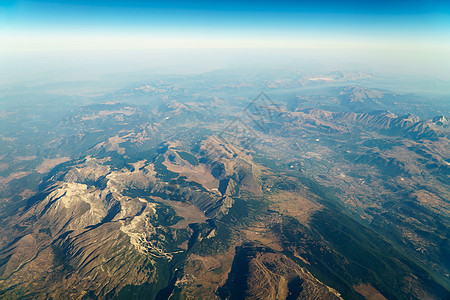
x,y
320,120
230,165
86,223
259,272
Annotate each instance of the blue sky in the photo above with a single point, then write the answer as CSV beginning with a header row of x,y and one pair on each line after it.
x,y
431,18
404,35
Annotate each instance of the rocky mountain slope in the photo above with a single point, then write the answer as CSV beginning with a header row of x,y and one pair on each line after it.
x,y
138,201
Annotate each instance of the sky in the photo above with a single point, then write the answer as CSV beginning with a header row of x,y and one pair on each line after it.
x,y
391,33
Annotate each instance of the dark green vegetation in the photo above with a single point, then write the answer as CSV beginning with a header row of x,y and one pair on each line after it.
x,y
189,157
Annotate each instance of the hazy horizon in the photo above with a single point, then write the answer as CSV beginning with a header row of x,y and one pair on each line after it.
x,y
74,40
